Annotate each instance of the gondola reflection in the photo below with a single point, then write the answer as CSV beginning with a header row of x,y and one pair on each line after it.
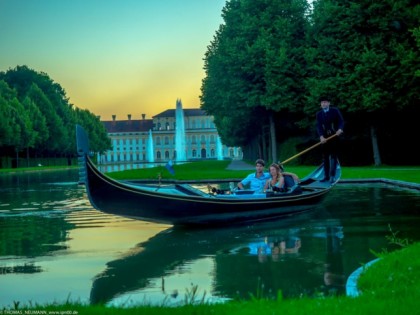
x,y
296,256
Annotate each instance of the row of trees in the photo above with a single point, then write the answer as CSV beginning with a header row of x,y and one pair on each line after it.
x,y
38,119
271,60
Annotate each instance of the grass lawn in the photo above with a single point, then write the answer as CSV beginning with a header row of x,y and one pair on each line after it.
x,y
214,170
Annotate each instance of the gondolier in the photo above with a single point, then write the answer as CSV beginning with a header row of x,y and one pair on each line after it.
x,y
329,122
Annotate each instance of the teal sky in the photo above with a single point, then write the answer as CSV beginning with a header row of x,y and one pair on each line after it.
x,y
113,56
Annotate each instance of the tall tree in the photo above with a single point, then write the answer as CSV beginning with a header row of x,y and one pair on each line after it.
x,y
255,66
9,129
57,137
364,55
98,139
39,123
51,115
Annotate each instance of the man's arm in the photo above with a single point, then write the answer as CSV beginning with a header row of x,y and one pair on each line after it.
x,y
244,182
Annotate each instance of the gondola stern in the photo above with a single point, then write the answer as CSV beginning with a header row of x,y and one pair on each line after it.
x,y
82,142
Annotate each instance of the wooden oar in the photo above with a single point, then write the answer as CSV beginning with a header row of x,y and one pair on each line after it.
x,y
308,149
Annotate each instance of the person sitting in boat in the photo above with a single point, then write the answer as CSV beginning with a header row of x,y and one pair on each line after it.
x,y
290,179
256,180
276,180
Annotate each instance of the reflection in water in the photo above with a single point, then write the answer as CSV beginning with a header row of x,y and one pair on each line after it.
x,y
50,236
25,268
107,168
239,259
334,276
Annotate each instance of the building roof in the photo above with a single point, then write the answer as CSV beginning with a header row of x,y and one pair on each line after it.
x,y
188,112
144,125
116,126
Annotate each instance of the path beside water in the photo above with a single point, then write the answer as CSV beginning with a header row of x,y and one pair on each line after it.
x,y
238,165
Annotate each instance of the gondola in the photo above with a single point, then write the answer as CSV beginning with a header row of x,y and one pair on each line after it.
x,y
183,204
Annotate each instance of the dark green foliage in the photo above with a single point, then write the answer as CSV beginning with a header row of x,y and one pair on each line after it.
x,y
254,67
37,117
275,59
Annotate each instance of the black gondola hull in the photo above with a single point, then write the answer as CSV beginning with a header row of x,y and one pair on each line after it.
x,y
171,204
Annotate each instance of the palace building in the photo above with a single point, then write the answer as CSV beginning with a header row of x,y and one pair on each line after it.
x,y
154,140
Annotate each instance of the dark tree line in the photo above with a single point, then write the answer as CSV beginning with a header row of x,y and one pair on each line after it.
x,y
38,120
271,60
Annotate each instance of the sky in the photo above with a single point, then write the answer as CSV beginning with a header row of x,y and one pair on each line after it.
x,y
113,56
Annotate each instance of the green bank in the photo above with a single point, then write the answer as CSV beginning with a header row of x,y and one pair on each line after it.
x,y
213,170
217,170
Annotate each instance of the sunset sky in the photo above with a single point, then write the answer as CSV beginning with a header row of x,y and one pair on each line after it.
x,y
113,56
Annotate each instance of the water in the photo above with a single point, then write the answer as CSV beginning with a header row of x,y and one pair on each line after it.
x,y
107,168
150,151
180,133
55,247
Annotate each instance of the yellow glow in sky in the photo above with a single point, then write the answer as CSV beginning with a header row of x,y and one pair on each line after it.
x,y
113,57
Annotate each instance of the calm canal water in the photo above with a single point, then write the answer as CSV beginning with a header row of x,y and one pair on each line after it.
x,y
54,247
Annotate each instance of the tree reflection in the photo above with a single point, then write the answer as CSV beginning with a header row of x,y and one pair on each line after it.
x,y
286,256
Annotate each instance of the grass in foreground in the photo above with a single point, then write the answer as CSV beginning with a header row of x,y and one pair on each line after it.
x,y
390,286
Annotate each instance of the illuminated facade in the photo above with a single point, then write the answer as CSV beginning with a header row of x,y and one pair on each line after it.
x,y
130,138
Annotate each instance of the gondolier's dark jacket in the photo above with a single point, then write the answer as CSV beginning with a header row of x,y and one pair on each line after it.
x,y
328,123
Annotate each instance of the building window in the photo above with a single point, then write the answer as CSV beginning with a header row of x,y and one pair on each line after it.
x,y
194,153
231,153
194,139
167,126
158,155
212,152
167,140
167,155
203,138
157,140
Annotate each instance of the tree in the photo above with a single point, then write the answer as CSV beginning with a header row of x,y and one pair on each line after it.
x,y
57,136
39,123
9,129
52,117
255,68
364,55
98,138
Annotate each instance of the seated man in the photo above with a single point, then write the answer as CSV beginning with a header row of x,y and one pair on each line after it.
x,y
256,180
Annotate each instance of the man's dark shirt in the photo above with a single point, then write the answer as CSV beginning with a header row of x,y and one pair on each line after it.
x,y
329,122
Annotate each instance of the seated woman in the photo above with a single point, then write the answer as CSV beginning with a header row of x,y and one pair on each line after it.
x,y
291,179
276,180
